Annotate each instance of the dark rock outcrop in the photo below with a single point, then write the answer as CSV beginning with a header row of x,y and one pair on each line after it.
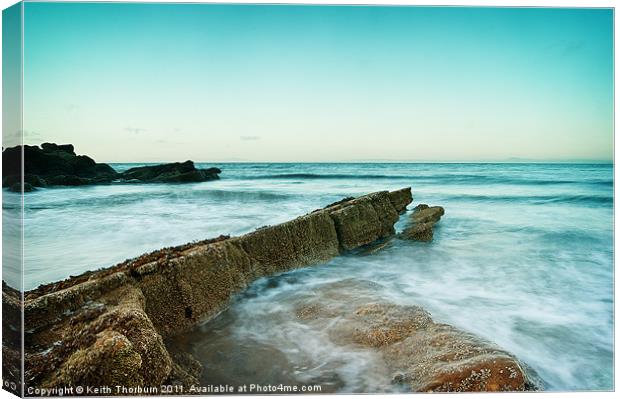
x,y
421,223
52,164
176,172
58,165
109,327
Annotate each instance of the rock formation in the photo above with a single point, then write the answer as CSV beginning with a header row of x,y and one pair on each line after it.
x,y
114,326
58,165
109,326
421,223
423,355
176,172
52,164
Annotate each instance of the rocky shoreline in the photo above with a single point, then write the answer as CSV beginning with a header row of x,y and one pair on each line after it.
x,y
58,165
114,326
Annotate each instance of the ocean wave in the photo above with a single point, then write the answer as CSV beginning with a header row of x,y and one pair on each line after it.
x,y
540,199
310,176
450,178
165,196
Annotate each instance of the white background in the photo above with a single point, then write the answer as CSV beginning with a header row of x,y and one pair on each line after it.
x,y
556,3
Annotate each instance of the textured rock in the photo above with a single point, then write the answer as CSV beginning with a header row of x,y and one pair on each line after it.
x,y
425,214
108,327
364,220
418,232
401,198
110,341
11,337
421,354
421,223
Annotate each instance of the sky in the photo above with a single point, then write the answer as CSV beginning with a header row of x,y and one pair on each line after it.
x,y
170,82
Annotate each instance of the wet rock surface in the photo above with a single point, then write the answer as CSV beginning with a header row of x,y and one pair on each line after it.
x,y
421,354
421,222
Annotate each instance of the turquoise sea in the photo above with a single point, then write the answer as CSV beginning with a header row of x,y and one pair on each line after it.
x,y
522,257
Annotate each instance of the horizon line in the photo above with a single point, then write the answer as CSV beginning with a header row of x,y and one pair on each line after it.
x,y
576,162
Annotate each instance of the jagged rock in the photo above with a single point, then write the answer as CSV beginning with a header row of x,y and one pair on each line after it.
x,y
52,164
364,220
176,172
53,147
421,223
58,165
401,198
115,320
424,214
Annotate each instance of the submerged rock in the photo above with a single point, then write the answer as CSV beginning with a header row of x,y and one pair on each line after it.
x,y
422,354
421,223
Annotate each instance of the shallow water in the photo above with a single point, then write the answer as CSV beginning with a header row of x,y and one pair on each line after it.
x,y
523,257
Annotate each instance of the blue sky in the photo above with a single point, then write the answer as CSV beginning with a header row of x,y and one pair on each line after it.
x,y
163,82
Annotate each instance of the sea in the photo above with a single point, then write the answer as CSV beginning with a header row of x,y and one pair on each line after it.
x,y
523,257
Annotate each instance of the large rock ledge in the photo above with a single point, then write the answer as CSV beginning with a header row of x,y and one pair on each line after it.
x,y
114,326
109,327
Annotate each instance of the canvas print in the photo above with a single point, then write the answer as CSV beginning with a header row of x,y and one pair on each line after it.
x,y
205,199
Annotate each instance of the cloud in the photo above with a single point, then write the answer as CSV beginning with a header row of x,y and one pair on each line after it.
x,y
572,47
32,135
565,47
134,130
164,141
249,138
26,134
71,107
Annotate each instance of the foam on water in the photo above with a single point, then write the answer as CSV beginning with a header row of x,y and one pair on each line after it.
x,y
523,257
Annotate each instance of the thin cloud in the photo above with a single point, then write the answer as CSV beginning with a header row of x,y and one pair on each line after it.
x,y
134,130
71,107
572,47
164,141
249,138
